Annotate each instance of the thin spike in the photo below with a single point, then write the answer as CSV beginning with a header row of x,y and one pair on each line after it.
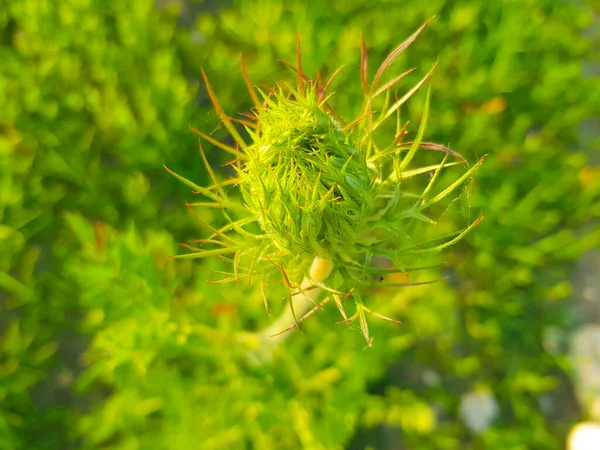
x,y
251,90
236,262
294,68
263,288
406,96
220,272
235,225
411,173
244,122
239,223
290,301
364,326
397,52
440,148
412,283
269,89
323,101
373,270
251,115
370,145
205,205
340,307
203,190
306,316
389,84
457,183
218,144
439,248
386,103
325,287
299,63
400,134
228,279
309,288
331,78
224,118
415,145
190,247
211,228
433,180
204,253
354,122
206,241
363,66
211,172
253,263
229,182
423,146
318,82
381,316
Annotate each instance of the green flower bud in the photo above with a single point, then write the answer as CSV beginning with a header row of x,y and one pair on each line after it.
x,y
315,188
304,179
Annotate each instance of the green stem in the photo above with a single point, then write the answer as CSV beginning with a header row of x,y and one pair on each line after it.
x,y
264,342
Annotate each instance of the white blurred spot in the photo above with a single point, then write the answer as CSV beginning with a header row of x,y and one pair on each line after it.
x,y
584,436
478,409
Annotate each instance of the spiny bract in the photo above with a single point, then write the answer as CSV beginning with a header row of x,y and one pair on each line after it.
x,y
313,186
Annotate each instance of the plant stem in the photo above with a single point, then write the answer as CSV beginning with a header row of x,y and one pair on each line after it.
x,y
264,342
319,271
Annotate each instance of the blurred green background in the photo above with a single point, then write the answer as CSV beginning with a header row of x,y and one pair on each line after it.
x,y
105,343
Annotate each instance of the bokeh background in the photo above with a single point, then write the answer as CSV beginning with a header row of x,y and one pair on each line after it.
x,y
106,343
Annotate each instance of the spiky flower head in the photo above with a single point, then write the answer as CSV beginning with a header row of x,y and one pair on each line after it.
x,y
313,186
305,178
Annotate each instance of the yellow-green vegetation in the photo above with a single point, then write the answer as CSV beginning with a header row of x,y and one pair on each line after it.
x,y
107,343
